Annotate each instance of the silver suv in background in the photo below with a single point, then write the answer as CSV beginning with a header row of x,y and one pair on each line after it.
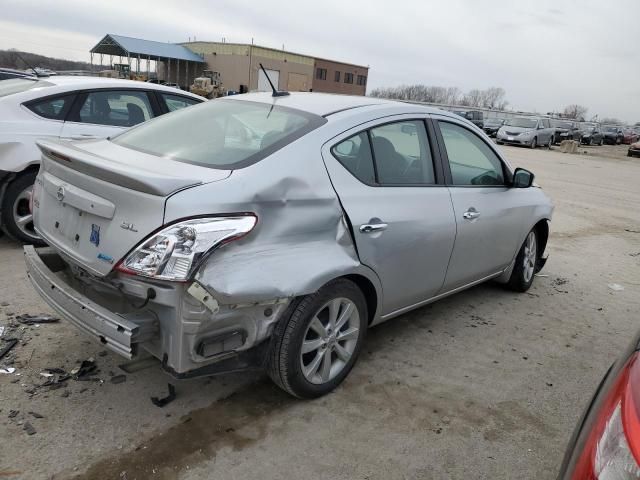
x,y
527,131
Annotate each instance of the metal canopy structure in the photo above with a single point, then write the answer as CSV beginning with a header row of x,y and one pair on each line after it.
x,y
159,52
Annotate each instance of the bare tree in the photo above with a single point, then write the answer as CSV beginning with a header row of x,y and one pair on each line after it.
x,y
490,98
577,112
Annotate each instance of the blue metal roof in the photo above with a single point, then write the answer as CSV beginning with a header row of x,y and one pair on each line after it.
x,y
123,46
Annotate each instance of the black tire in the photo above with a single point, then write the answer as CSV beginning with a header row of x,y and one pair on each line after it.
x,y
518,281
601,142
534,143
284,364
551,142
13,192
499,143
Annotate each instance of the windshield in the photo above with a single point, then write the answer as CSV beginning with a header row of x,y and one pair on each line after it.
x,y
493,121
17,85
522,122
588,127
223,134
561,124
610,129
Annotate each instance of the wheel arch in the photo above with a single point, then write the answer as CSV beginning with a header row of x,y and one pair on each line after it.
x,y
370,294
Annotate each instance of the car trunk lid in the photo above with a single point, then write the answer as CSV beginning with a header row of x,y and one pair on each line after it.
x,y
95,209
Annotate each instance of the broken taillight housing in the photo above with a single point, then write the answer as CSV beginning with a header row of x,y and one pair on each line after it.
x,y
176,251
612,448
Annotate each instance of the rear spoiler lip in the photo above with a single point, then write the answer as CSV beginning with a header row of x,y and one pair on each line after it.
x,y
71,156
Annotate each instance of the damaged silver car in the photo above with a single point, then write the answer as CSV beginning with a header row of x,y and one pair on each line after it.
x,y
271,232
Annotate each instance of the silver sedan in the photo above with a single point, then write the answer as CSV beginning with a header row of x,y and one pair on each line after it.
x,y
264,231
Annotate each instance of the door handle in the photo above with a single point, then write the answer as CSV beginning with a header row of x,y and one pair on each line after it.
x,y
376,227
470,214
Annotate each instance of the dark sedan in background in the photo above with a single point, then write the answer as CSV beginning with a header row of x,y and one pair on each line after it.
x,y
474,116
566,130
492,125
630,136
591,133
606,442
613,135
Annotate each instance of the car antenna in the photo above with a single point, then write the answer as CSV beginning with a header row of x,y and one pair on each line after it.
x,y
25,62
276,93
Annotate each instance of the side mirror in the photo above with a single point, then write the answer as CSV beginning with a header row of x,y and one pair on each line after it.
x,y
522,178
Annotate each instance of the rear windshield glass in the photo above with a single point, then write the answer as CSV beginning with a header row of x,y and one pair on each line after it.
x,y
522,122
17,85
224,134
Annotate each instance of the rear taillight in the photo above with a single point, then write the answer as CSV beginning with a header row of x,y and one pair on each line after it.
x,y
175,252
612,448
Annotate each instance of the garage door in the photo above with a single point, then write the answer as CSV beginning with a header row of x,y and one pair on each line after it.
x,y
297,82
263,83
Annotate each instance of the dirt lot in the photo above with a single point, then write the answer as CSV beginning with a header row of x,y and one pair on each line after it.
x,y
487,384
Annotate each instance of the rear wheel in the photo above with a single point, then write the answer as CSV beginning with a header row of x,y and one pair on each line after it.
x,y
17,220
317,342
525,264
601,142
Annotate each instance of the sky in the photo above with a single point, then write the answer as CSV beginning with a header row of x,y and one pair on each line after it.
x,y
546,54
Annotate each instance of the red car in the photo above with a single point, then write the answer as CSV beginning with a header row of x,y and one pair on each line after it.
x,y
630,136
606,442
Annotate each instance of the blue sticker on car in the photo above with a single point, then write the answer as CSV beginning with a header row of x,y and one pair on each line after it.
x,y
106,258
95,234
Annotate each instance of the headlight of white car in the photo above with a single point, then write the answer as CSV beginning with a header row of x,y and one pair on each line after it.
x,y
176,251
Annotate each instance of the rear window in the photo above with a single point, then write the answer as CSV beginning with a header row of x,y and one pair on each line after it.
x,y
224,134
17,85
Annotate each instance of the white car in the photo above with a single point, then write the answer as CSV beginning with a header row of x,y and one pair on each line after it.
x,y
68,108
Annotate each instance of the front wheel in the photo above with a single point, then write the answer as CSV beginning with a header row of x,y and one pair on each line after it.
x,y
525,264
550,142
534,142
16,217
318,340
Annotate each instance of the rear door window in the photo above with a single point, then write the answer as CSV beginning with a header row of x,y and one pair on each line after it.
x,y
354,154
53,108
176,102
402,154
115,108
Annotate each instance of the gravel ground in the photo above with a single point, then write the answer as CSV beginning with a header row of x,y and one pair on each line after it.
x,y
486,384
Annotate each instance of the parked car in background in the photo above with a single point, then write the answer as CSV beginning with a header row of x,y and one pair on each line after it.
x,y
492,125
634,150
612,134
69,108
565,130
474,116
606,441
8,73
172,85
528,131
630,136
591,133
277,253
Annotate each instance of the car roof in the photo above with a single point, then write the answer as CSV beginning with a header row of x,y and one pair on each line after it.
x,y
69,83
322,104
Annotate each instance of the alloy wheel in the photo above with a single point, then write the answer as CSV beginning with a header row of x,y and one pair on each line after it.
x,y
22,217
530,256
330,340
